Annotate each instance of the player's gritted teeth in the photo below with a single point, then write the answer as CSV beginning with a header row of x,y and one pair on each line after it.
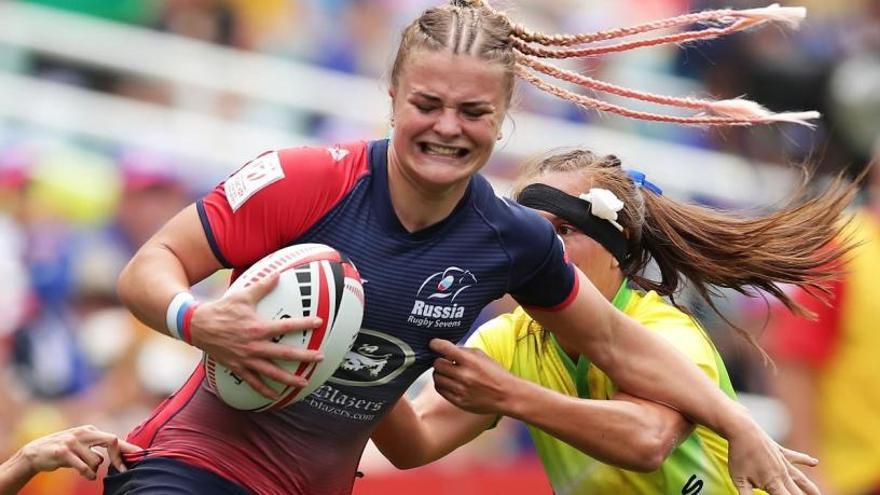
x,y
443,150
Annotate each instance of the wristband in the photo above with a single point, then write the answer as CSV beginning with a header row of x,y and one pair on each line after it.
x,y
179,316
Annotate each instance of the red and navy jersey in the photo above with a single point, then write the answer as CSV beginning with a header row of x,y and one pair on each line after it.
x,y
418,286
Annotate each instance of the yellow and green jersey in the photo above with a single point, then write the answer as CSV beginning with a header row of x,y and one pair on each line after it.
x,y
697,466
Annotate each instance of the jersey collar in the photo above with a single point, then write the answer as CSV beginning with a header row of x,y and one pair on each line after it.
x,y
578,371
624,294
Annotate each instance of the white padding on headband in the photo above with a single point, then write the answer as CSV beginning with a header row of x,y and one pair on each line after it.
x,y
604,204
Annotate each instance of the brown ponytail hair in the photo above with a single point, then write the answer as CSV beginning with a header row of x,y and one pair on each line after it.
x,y
800,243
473,27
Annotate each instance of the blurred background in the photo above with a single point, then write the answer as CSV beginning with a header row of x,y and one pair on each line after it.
x,y
116,114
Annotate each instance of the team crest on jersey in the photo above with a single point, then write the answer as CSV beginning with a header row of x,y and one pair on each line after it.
x,y
338,153
435,303
256,175
374,359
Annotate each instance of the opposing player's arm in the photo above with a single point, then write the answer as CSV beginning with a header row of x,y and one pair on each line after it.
x,y
419,432
628,432
638,360
625,431
73,448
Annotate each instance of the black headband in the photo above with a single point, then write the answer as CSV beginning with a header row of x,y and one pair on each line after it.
x,y
577,212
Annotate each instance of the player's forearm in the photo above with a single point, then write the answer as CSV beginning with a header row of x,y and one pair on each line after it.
x,y
403,438
419,432
14,474
616,432
149,282
645,365
641,362
175,258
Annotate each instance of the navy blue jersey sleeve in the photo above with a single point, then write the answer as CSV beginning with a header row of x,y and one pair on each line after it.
x,y
540,274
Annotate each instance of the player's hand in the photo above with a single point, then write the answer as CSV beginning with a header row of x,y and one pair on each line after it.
x,y
470,379
74,448
756,461
231,332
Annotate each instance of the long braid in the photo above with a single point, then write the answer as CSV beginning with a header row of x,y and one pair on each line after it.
x,y
603,106
789,15
455,33
472,29
702,34
724,112
735,108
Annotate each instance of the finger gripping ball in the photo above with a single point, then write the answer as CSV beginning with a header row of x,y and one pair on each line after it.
x,y
314,280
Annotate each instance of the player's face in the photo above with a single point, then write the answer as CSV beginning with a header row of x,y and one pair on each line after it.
x,y
447,110
592,258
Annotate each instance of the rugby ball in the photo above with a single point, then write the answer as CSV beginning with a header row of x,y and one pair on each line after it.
x,y
314,280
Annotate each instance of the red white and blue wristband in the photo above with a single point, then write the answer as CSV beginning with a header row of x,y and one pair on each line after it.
x,y
179,316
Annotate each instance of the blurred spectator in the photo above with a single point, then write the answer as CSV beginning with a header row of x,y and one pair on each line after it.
x,y
151,193
854,96
113,341
353,48
137,12
74,219
65,188
828,368
215,21
13,273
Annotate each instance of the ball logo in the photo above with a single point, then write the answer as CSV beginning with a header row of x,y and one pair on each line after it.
x,y
374,359
446,283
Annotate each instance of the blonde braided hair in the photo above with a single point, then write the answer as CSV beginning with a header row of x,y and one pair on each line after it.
x,y
473,27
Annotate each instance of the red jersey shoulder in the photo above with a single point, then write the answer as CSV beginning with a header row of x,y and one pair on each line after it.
x,y
337,165
339,161
275,198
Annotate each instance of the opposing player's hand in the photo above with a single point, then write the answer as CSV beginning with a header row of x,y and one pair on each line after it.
x,y
756,461
231,332
74,448
470,379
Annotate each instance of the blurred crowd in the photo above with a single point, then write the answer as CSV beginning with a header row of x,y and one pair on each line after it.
x,y
73,210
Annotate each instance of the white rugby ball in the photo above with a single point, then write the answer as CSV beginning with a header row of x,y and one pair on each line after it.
x,y
315,280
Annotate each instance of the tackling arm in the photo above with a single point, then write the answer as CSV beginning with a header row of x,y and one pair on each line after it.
x,y
626,431
639,361
417,433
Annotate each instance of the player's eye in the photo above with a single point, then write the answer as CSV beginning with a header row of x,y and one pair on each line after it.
x,y
474,114
423,108
565,229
